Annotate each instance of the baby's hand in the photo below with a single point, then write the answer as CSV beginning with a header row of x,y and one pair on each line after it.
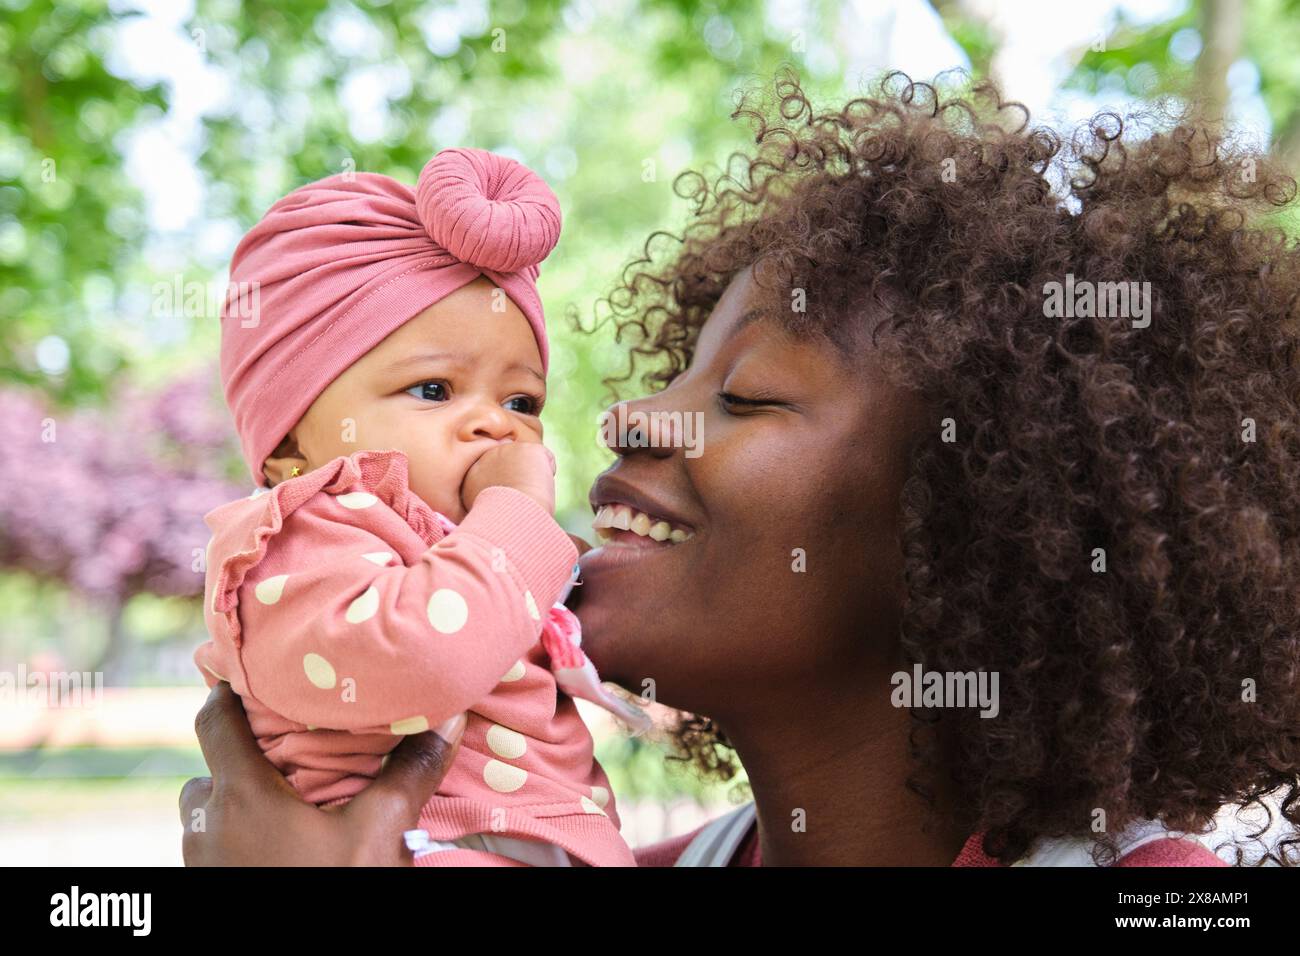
x,y
525,466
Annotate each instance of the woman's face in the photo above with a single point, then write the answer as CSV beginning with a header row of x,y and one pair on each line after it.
x,y
789,578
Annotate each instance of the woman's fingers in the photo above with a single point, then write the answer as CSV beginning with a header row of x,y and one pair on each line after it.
x,y
391,805
194,795
414,769
229,746
583,546
270,822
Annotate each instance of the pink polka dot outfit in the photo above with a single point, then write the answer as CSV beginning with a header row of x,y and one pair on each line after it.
x,y
347,613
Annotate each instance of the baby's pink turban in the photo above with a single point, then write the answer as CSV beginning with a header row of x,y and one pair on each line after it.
x,y
338,264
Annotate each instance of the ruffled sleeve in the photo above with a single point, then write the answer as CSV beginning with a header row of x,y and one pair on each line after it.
x,y
332,629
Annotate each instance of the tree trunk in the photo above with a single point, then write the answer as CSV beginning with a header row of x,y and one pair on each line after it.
x,y
1222,25
113,659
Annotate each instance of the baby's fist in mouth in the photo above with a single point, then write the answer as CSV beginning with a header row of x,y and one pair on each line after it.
x,y
525,466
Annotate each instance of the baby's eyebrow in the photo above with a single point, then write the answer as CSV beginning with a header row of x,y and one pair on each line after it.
x,y
459,359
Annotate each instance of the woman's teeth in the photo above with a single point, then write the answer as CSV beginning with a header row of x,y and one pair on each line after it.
x,y
611,518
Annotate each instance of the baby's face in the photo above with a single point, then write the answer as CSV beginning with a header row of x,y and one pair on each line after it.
x,y
455,381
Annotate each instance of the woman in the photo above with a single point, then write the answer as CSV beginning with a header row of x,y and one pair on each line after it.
x,y
957,425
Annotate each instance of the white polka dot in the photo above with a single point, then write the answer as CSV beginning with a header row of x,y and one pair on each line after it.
x,y
448,611
600,796
319,671
356,500
505,742
589,807
269,591
515,672
502,777
379,557
411,725
364,607
531,605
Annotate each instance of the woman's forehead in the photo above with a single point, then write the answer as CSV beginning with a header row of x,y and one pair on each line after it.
x,y
739,306
797,312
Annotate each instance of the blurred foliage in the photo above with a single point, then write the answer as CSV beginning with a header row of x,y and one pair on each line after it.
x,y
568,88
69,219
1157,60
608,99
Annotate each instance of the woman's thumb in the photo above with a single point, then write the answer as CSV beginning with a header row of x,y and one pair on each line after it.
x,y
415,768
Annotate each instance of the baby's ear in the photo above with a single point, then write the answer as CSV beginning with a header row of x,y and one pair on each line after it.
x,y
286,457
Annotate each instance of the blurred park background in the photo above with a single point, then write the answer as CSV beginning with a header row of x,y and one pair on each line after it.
x,y
139,140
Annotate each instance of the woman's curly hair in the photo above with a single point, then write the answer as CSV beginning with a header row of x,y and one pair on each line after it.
x,y
1157,677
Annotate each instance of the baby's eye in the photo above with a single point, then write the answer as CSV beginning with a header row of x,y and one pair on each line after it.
x,y
525,405
429,391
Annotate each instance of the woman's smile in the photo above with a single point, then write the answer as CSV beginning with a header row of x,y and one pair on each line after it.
x,y
631,524
614,518
628,534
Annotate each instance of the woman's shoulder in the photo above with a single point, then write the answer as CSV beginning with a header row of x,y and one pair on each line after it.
x,y
1153,850
1165,851
665,852
732,836
1172,852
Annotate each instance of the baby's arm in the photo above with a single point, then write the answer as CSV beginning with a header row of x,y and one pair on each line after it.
x,y
336,636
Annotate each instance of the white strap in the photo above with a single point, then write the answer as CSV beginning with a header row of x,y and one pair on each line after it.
x,y
718,840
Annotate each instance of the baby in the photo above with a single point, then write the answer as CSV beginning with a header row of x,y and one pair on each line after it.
x,y
401,563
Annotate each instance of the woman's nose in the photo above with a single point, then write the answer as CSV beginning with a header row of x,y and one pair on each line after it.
x,y
639,425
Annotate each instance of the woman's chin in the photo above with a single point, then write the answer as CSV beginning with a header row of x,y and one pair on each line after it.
x,y
620,602
596,623
610,636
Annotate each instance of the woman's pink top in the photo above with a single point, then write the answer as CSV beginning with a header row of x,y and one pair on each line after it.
x,y
347,613
1163,853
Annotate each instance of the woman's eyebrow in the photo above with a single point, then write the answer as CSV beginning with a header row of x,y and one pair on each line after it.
x,y
457,359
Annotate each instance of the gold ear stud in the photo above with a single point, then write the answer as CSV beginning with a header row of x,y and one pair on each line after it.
x,y
295,472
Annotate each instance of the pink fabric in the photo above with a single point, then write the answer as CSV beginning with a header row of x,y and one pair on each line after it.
x,y
576,676
345,615
1161,853
1179,852
338,264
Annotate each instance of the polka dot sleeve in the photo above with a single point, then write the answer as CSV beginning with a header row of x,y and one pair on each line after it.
x,y
336,632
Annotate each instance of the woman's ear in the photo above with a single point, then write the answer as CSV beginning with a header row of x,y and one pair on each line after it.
x,y
283,460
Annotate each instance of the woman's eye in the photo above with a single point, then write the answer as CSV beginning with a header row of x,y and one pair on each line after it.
x,y
429,391
728,398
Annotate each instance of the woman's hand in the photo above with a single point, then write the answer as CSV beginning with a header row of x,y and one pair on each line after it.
x,y
247,814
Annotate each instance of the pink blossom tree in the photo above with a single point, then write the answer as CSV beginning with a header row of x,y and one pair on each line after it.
x,y
110,500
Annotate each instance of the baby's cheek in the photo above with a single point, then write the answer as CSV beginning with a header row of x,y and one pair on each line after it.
x,y
438,484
